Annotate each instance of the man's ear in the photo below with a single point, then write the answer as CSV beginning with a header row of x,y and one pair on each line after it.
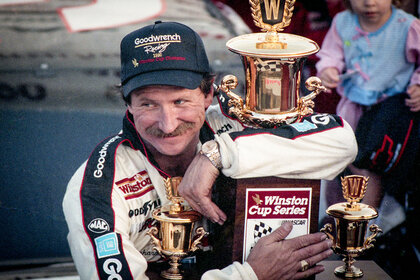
x,y
209,97
130,109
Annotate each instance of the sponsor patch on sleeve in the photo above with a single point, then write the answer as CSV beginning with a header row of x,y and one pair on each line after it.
x,y
135,186
98,225
303,126
107,245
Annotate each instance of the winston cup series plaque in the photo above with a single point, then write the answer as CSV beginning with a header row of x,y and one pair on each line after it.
x,y
264,204
268,208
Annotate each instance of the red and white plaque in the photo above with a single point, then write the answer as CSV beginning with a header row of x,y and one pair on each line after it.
x,y
268,208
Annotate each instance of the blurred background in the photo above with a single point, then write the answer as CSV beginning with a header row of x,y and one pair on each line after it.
x,y
59,64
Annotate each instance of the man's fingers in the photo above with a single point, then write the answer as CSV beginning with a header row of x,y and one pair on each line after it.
x,y
318,257
210,210
315,253
306,240
204,205
279,234
219,216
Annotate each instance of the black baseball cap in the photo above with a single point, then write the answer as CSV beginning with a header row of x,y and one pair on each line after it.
x,y
164,53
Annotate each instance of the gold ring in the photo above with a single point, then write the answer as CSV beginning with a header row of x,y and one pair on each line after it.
x,y
304,265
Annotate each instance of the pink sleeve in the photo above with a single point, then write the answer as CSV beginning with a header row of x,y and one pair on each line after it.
x,y
331,53
413,50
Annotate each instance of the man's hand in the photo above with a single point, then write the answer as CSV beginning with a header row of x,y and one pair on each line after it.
x,y
196,187
273,257
414,101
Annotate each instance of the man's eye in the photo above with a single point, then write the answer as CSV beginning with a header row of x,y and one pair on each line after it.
x,y
179,101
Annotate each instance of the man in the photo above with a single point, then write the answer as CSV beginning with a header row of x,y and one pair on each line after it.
x,y
168,132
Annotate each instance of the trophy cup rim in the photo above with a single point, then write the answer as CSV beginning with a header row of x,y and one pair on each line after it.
x,y
341,210
164,216
297,46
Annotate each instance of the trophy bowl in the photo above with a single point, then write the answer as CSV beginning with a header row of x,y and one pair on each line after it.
x,y
176,231
351,223
177,223
273,65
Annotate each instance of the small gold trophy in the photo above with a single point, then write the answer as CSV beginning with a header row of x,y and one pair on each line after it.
x,y
351,222
176,225
273,67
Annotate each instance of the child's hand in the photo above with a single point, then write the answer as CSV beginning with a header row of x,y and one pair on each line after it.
x,y
330,77
414,101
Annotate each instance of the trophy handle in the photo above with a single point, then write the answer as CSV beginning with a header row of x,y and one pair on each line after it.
x,y
228,83
201,233
369,241
235,103
305,104
153,233
327,229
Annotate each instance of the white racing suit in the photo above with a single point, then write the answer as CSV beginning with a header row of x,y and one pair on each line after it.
x,y
109,200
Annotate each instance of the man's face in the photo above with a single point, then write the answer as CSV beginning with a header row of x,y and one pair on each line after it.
x,y
169,118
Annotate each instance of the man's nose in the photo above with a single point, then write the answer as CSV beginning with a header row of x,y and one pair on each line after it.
x,y
168,121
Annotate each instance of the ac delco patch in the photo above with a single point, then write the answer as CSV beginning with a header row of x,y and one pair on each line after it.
x,y
135,186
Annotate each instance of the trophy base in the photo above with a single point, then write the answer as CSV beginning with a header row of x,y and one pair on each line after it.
x,y
168,274
348,272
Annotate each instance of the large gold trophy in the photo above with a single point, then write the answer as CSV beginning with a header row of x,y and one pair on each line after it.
x,y
273,67
176,227
273,63
351,223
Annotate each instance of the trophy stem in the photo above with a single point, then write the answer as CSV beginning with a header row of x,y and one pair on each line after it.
x,y
173,272
348,270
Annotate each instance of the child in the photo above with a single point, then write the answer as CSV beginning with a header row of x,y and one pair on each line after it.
x,y
371,52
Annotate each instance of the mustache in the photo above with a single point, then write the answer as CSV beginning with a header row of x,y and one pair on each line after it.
x,y
155,131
